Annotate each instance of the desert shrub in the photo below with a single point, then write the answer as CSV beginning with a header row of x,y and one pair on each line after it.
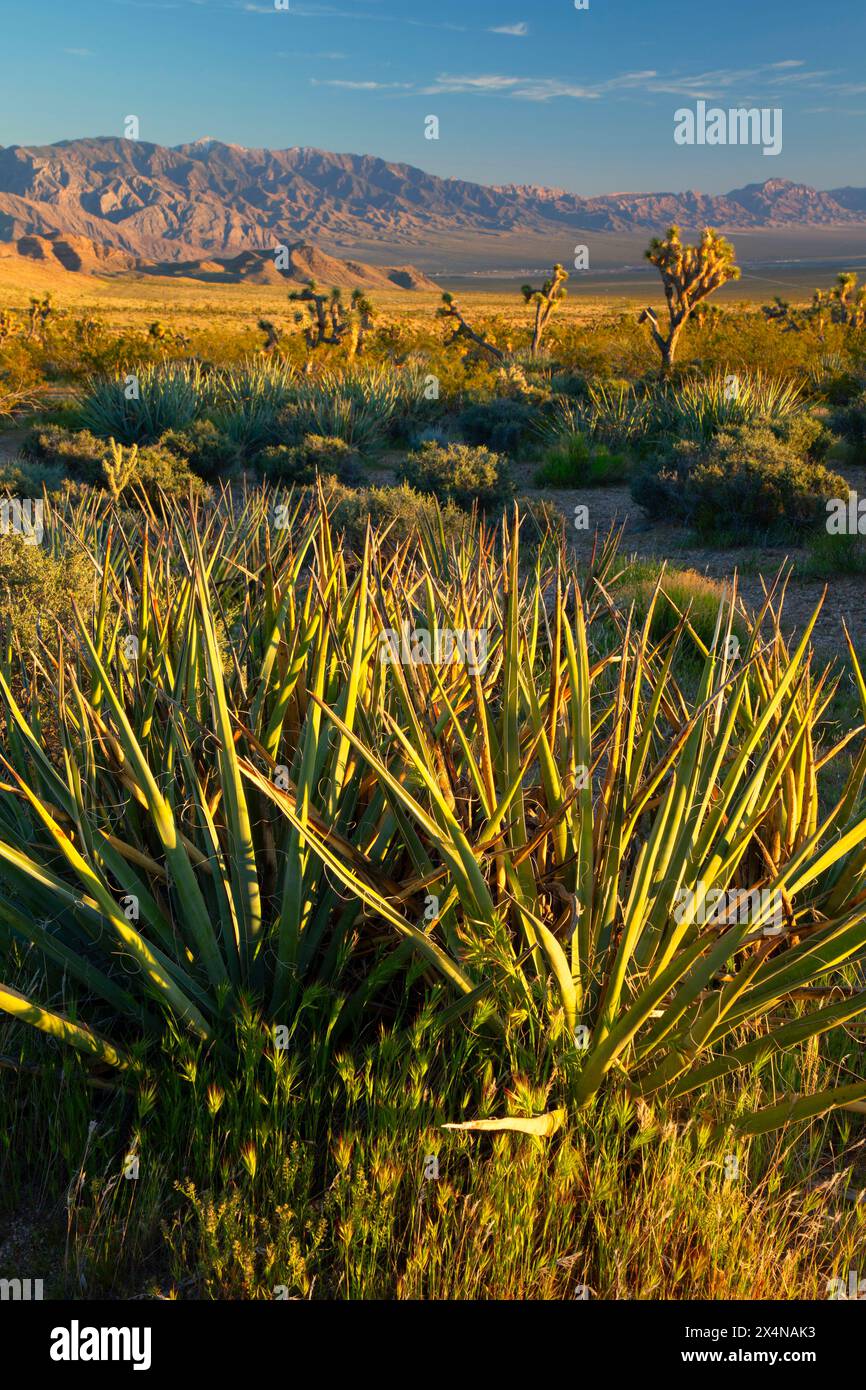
x,y
502,425
299,463
168,397
850,420
430,434
159,470
15,396
27,477
81,456
409,514
402,510
459,473
576,462
77,454
568,383
208,451
742,485
807,435
37,589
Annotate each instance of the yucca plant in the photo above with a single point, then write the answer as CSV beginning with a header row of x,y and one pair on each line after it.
x,y
358,406
138,406
615,414
264,790
701,406
246,400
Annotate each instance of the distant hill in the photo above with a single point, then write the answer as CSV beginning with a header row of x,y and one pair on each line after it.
x,y
73,253
209,201
305,262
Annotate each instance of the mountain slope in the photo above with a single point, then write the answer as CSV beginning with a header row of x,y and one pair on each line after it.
x,y
151,202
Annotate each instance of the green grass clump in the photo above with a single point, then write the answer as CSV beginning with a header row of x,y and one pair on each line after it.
x,y
830,555
682,594
576,462
314,1171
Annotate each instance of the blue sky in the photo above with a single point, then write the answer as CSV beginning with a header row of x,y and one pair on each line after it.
x,y
524,93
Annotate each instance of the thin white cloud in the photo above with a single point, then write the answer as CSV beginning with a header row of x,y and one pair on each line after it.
x,y
517,31
529,88
358,86
715,84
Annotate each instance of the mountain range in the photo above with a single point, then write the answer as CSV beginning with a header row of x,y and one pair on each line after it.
x,y
115,203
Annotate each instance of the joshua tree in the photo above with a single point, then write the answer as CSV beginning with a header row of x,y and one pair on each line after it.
x,y
363,317
450,309
39,314
844,303
119,470
849,302
792,320
273,335
316,329
552,292
689,274
329,321
9,325
707,314
161,334
87,330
